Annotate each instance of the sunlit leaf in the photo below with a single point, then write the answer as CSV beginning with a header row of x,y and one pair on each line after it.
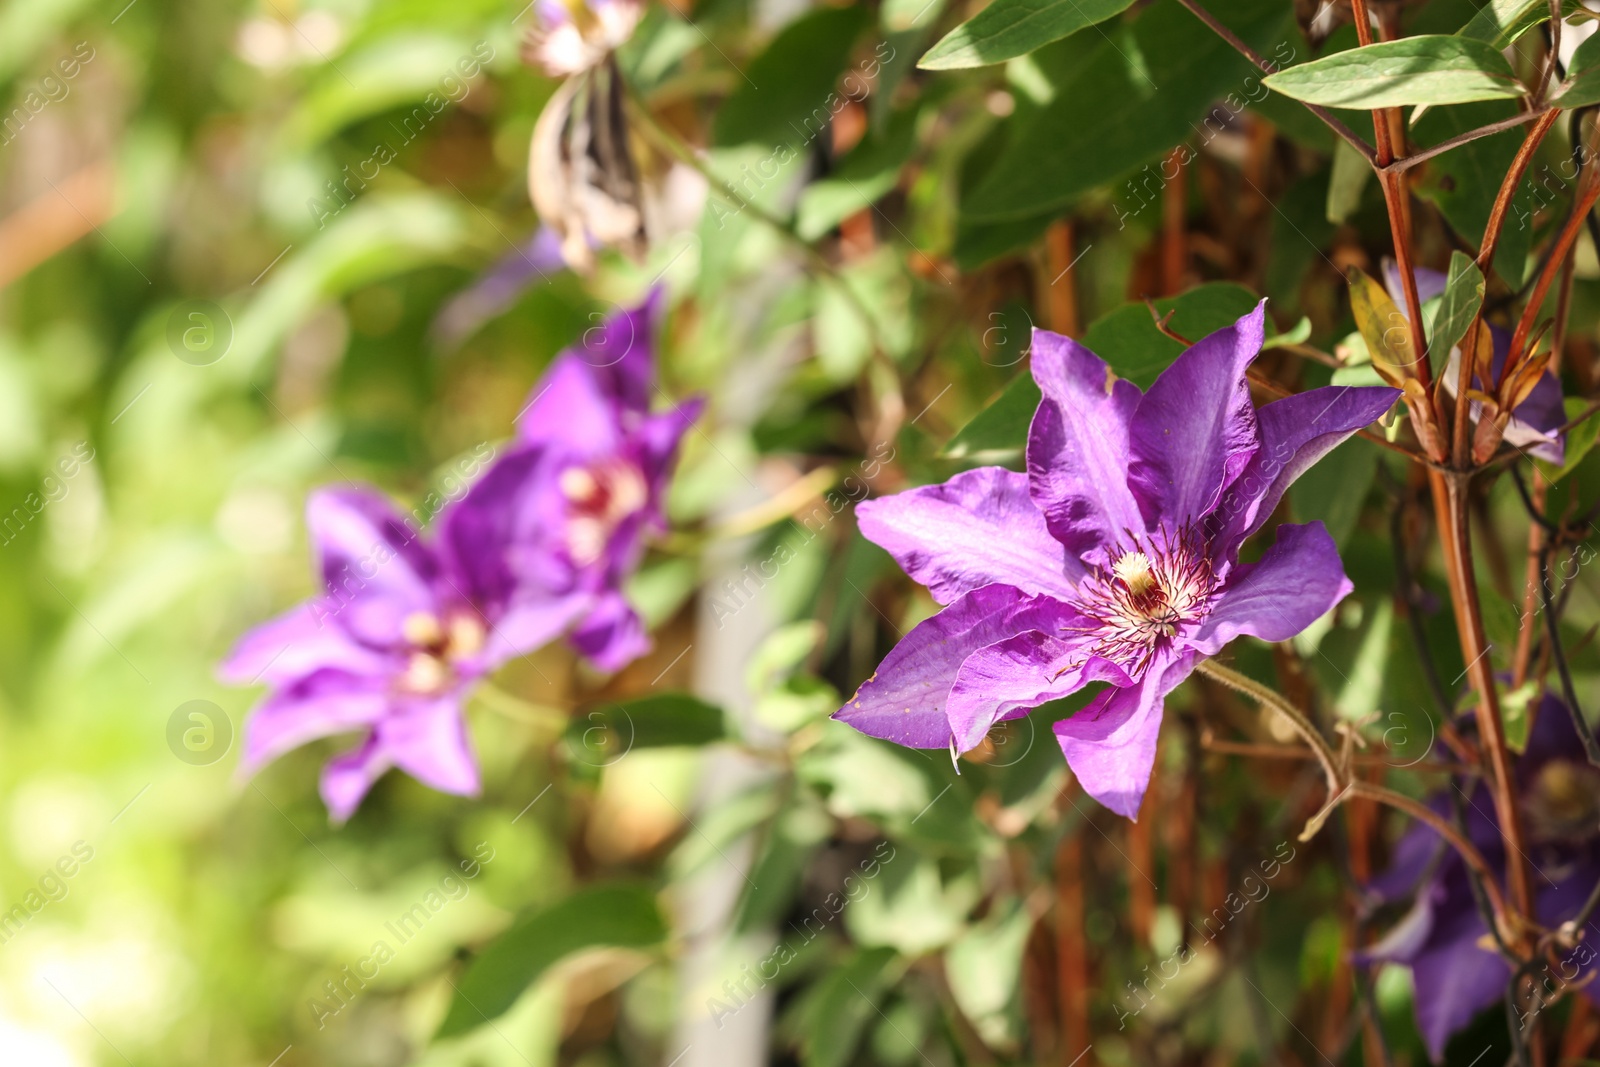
x,y
1010,28
1428,69
616,916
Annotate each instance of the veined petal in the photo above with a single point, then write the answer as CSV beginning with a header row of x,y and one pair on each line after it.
x,y
979,528
1111,744
904,700
1078,446
1455,976
1009,678
1295,432
1296,582
1195,430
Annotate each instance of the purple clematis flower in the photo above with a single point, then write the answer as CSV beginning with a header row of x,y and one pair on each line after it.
x,y
535,549
565,512
1113,559
1534,423
1455,970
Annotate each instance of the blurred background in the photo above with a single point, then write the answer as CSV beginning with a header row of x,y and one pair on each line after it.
x,y
250,247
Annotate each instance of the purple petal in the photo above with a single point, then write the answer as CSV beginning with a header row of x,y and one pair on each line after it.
x,y
347,778
1011,677
1295,432
526,626
904,700
1195,430
1297,581
1111,744
1454,977
303,639
496,534
428,740
979,528
325,703
376,568
570,411
1430,283
612,635
1078,446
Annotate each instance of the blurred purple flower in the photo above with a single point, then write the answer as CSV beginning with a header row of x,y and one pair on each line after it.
x,y
499,287
565,511
537,548
1456,972
1113,559
1534,422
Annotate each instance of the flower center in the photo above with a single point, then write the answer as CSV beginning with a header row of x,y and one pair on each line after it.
x,y
436,647
1563,803
599,498
1152,590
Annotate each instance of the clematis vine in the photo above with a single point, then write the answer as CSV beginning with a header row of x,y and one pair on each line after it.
x,y
410,621
1456,971
1114,559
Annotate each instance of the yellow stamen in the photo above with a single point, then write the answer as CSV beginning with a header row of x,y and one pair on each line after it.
x,y
1133,571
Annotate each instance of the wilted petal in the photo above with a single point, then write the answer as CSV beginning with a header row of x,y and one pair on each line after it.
x,y
1295,432
1298,580
1078,446
1111,744
1195,430
904,701
1011,677
977,529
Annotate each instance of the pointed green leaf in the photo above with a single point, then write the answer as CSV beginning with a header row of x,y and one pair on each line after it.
x,y
618,916
1463,295
1010,28
1430,69
1582,86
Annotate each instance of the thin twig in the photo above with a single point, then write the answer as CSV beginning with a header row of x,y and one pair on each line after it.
x,y
1425,154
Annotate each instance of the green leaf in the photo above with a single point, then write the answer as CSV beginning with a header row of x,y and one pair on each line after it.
x,y
840,1006
787,95
1501,22
1579,440
1001,429
1463,182
1010,28
1463,295
1127,339
1144,87
616,916
662,720
1430,69
1514,709
1582,86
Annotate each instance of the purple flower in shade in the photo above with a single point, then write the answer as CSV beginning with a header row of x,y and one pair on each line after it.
x,y
1455,969
563,515
1534,423
1113,559
538,547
